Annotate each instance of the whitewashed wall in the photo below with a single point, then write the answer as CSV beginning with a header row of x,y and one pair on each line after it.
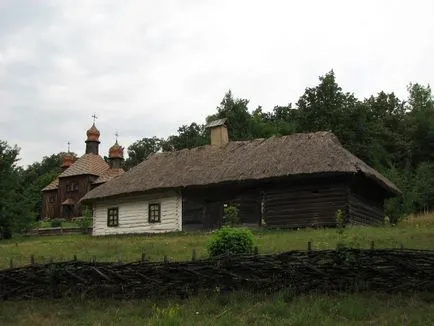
x,y
133,214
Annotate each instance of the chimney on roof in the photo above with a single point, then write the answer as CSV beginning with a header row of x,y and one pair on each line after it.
x,y
219,132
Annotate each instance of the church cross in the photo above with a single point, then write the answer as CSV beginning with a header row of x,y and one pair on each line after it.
x,y
68,146
116,135
94,117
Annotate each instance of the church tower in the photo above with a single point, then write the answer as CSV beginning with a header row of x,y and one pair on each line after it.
x,y
92,142
68,159
116,155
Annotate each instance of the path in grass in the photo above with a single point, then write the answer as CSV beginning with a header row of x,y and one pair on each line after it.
x,y
231,309
179,246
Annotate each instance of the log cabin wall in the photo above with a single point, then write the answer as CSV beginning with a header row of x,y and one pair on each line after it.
x,y
291,202
305,203
366,202
50,204
74,187
203,207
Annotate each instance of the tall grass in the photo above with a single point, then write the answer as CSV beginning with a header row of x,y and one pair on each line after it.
x,y
419,220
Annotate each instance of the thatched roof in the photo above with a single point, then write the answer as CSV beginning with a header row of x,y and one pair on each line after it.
x,y
297,154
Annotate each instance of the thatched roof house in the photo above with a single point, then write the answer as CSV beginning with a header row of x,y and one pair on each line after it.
x,y
296,180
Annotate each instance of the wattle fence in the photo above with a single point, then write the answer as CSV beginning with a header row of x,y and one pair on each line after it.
x,y
380,270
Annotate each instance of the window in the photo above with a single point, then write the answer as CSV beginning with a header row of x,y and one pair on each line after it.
x,y
154,213
113,216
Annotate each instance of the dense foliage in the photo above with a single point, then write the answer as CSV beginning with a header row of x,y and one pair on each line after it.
x,y
14,207
229,240
395,136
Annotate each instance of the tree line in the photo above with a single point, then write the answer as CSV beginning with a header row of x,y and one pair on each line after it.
x,y
393,135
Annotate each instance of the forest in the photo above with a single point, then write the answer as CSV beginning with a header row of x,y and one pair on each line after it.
x,y
393,135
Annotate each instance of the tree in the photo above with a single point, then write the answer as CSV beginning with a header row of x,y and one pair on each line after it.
x,y
14,213
38,175
190,136
239,120
327,108
420,123
141,149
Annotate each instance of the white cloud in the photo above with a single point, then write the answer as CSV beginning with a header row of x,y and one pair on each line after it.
x,y
146,67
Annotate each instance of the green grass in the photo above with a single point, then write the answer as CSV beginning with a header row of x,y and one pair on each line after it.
x,y
179,246
233,309
47,224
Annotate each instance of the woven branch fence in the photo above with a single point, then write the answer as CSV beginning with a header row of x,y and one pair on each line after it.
x,y
383,270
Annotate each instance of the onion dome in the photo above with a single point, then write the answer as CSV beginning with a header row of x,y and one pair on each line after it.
x,y
68,160
116,151
93,133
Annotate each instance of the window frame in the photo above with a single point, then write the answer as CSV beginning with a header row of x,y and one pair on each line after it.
x,y
152,208
113,217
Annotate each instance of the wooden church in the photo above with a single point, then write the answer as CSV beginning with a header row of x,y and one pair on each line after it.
x,y
61,197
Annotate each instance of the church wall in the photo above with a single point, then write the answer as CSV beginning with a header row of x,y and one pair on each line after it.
x,y
133,214
74,188
50,204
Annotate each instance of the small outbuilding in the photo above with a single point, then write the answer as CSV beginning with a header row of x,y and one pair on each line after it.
x,y
298,180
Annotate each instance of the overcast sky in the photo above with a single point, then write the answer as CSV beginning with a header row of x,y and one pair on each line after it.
x,y
147,67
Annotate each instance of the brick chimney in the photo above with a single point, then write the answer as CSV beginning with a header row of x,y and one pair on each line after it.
x,y
219,132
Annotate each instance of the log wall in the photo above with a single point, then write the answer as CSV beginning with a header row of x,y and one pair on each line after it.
x,y
203,209
366,202
83,182
50,204
304,205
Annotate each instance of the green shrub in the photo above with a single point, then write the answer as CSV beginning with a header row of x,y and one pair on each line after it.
x,y
340,221
56,223
229,240
231,216
5,232
86,221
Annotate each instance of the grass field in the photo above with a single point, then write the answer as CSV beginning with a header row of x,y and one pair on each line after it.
x,y
233,309
415,233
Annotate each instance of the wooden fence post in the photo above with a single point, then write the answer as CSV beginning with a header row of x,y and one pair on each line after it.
x,y
372,245
309,246
165,259
256,250
143,257
11,263
193,255
32,260
74,258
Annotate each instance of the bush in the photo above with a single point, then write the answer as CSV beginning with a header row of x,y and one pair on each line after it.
x,y
85,222
56,223
228,240
231,216
5,232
